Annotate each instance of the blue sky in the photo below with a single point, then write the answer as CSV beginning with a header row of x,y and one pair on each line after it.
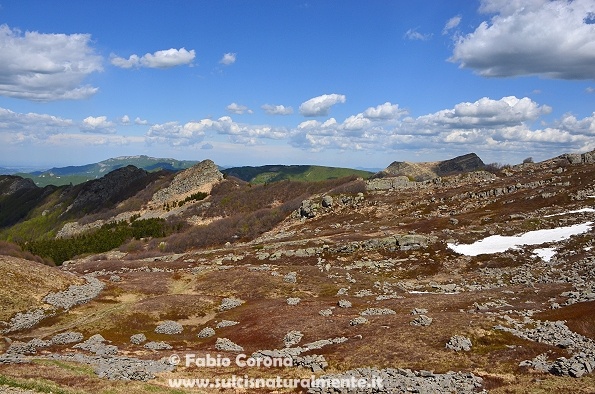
x,y
341,83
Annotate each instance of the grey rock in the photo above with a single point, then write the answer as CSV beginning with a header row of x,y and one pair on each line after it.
x,y
459,343
138,339
229,303
158,345
292,338
226,345
67,337
421,320
358,320
169,327
75,294
377,312
344,304
226,323
293,301
206,332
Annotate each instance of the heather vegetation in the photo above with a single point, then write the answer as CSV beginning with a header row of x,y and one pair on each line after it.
x,y
248,210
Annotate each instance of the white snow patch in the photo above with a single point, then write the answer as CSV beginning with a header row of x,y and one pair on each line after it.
x,y
499,243
570,212
587,248
545,254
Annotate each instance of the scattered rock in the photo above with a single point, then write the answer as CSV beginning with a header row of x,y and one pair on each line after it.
x,y
344,304
291,277
421,320
65,338
459,343
226,323
358,320
226,345
169,327
292,338
377,312
206,332
293,301
138,339
229,303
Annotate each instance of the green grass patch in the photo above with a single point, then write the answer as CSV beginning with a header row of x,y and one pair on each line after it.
x,y
42,386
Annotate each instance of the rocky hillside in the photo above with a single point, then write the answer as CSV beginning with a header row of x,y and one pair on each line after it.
x,y
467,283
428,170
198,178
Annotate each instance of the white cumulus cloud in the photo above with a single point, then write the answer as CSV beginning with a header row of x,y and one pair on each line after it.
x,y
98,124
161,59
228,59
277,109
46,67
549,38
238,109
384,111
320,106
140,121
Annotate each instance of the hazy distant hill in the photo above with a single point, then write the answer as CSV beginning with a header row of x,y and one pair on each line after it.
x,y
274,173
79,174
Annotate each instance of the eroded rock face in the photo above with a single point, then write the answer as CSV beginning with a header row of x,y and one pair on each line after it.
x,y
202,175
112,188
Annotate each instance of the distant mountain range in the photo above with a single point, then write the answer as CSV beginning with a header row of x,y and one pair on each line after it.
x,y
75,175
78,174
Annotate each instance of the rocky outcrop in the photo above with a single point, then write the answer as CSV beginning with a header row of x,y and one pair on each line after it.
x,y
197,178
428,170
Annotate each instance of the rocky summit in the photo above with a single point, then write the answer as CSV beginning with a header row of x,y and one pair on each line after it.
x,y
199,177
429,170
445,277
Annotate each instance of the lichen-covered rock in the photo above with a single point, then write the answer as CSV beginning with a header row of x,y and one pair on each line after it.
x,y
137,339
206,332
67,337
226,345
226,323
459,343
358,320
169,327
292,338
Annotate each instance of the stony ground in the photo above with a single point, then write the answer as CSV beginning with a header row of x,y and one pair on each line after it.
x,y
350,285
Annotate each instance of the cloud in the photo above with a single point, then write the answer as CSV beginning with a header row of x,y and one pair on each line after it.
x,y
320,106
194,132
238,109
451,24
32,123
413,34
503,125
140,121
277,109
125,119
46,67
161,59
549,38
98,124
207,146
228,59
384,111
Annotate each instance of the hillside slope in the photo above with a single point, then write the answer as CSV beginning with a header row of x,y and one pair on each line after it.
x,y
275,173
